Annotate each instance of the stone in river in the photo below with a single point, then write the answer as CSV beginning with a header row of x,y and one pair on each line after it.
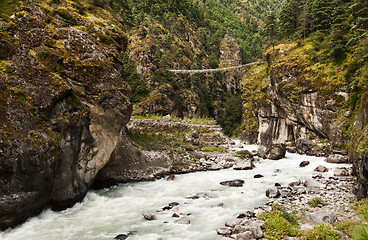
x,y
148,216
273,192
121,237
175,215
233,183
321,168
182,221
223,231
273,152
243,165
258,176
304,163
232,222
171,177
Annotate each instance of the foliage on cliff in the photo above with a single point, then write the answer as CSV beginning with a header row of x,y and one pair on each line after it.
x,y
188,35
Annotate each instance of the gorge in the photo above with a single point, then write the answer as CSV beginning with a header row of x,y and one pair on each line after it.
x,y
86,101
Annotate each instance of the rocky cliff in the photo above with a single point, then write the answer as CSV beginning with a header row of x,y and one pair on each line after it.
x,y
309,102
299,103
63,106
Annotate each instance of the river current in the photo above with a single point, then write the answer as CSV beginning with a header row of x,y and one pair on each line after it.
x,y
107,213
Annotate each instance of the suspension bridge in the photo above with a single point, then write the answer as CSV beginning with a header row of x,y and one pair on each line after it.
x,y
214,69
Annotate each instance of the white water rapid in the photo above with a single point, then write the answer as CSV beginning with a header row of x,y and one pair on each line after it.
x,y
106,213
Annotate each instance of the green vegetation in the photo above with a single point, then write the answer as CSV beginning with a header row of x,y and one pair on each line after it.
x,y
243,154
316,202
321,232
280,224
214,149
7,8
144,139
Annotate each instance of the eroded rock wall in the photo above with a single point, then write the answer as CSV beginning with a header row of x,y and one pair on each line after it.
x,y
63,108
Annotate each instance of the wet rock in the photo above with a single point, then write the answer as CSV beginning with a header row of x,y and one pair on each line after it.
x,y
171,177
149,216
273,192
121,236
243,165
224,231
304,163
318,176
321,168
311,183
272,151
182,221
336,158
342,172
175,215
292,184
258,176
232,222
247,214
277,171
233,183
220,205
277,184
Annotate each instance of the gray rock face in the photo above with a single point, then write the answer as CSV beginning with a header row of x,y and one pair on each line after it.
x,y
273,152
336,158
54,142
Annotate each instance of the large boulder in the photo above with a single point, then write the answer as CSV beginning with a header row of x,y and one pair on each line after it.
x,y
272,151
311,183
273,192
336,158
243,165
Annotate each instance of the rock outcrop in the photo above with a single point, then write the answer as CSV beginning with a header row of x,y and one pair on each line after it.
x,y
63,109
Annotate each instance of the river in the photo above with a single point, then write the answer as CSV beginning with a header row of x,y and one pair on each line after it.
x,y
106,213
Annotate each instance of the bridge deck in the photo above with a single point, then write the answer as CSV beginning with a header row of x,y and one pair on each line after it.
x,y
213,70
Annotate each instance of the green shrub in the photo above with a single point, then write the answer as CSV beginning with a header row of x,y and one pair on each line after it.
x,y
315,202
144,139
361,233
321,232
214,149
278,226
243,154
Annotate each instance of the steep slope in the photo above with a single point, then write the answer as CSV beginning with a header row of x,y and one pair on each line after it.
x,y
312,94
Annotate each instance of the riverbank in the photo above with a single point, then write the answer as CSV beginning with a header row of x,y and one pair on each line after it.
x,y
318,201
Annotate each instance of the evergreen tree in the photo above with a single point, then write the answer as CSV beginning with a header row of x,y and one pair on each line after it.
x,y
271,28
320,14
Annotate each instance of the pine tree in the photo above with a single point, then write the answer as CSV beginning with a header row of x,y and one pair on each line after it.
x,y
320,14
271,28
